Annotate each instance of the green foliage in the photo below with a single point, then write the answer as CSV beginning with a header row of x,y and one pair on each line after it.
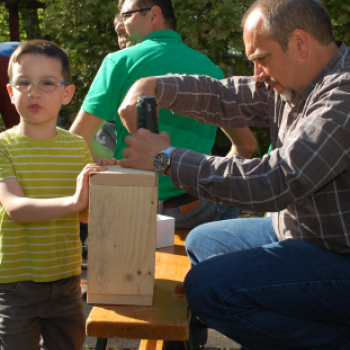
x,y
31,22
84,28
213,27
4,23
339,11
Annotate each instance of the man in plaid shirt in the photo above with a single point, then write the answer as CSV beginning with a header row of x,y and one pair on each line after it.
x,y
280,282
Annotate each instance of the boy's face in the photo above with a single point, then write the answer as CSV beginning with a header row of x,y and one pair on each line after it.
x,y
35,106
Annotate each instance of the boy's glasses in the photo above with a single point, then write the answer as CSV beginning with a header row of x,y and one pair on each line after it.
x,y
44,85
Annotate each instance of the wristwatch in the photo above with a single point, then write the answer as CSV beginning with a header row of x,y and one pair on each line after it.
x,y
162,160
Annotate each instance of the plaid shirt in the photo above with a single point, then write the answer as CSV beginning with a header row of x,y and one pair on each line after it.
x,y
305,180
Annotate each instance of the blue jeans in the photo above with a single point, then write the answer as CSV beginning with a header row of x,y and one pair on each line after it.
x,y
207,212
266,294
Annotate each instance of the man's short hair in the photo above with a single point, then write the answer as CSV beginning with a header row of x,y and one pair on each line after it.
x,y
45,48
165,5
282,17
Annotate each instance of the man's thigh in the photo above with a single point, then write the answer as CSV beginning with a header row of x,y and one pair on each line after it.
x,y
223,237
287,290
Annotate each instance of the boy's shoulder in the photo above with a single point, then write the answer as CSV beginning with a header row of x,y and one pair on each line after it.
x,y
11,136
8,135
67,133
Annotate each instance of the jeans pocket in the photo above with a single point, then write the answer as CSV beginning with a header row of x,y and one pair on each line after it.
x,y
7,288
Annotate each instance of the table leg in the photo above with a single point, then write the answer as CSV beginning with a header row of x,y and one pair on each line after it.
x,y
101,344
150,344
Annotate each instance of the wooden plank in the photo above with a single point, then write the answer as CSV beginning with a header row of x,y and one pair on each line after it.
x,y
125,177
122,234
166,319
119,299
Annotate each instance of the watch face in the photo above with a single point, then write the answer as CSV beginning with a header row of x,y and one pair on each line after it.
x,y
161,162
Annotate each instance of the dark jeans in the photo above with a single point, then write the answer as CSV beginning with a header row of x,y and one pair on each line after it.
x,y
51,310
265,294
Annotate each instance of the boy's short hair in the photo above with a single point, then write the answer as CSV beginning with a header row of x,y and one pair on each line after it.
x,y
45,48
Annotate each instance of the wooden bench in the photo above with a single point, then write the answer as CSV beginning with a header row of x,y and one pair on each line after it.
x,y
166,320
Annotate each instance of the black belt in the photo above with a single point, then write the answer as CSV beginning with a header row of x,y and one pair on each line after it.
x,y
178,201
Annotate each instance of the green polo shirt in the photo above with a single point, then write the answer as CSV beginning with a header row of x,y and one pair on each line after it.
x,y
160,53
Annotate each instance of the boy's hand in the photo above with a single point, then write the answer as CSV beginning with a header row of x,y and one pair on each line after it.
x,y
106,162
81,195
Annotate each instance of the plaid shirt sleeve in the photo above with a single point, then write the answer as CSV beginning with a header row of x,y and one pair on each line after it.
x,y
234,102
306,178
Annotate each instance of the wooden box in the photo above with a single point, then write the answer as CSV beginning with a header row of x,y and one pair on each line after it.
x,y
122,236
165,231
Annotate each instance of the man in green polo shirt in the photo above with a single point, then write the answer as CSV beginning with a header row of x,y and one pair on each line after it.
x,y
156,50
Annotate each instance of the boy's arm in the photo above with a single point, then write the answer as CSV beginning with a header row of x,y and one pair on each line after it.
x,y
84,215
87,125
23,209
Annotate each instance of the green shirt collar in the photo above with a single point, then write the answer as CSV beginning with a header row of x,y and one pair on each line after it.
x,y
163,34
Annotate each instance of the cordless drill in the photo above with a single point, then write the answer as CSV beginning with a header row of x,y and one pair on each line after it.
x,y
147,114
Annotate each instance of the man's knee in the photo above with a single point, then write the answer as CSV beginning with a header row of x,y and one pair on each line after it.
x,y
192,239
200,243
194,285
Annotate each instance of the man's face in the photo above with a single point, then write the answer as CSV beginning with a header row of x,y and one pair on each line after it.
x,y
137,24
123,38
272,65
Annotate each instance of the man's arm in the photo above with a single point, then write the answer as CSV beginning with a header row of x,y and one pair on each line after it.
x,y
243,142
229,103
87,125
24,209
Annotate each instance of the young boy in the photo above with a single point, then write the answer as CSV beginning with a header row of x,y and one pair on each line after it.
x,y
42,201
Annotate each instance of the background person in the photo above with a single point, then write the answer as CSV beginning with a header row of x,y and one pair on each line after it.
x,y
8,111
280,282
155,48
106,136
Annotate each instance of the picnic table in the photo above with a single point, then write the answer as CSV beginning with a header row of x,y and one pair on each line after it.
x,y
168,319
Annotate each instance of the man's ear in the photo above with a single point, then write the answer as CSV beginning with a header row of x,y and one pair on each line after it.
x,y
300,41
156,13
68,94
10,91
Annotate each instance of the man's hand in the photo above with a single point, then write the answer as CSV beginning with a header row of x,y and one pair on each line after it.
x,y
127,110
143,146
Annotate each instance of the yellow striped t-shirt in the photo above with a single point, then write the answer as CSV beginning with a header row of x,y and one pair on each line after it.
x,y
47,250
